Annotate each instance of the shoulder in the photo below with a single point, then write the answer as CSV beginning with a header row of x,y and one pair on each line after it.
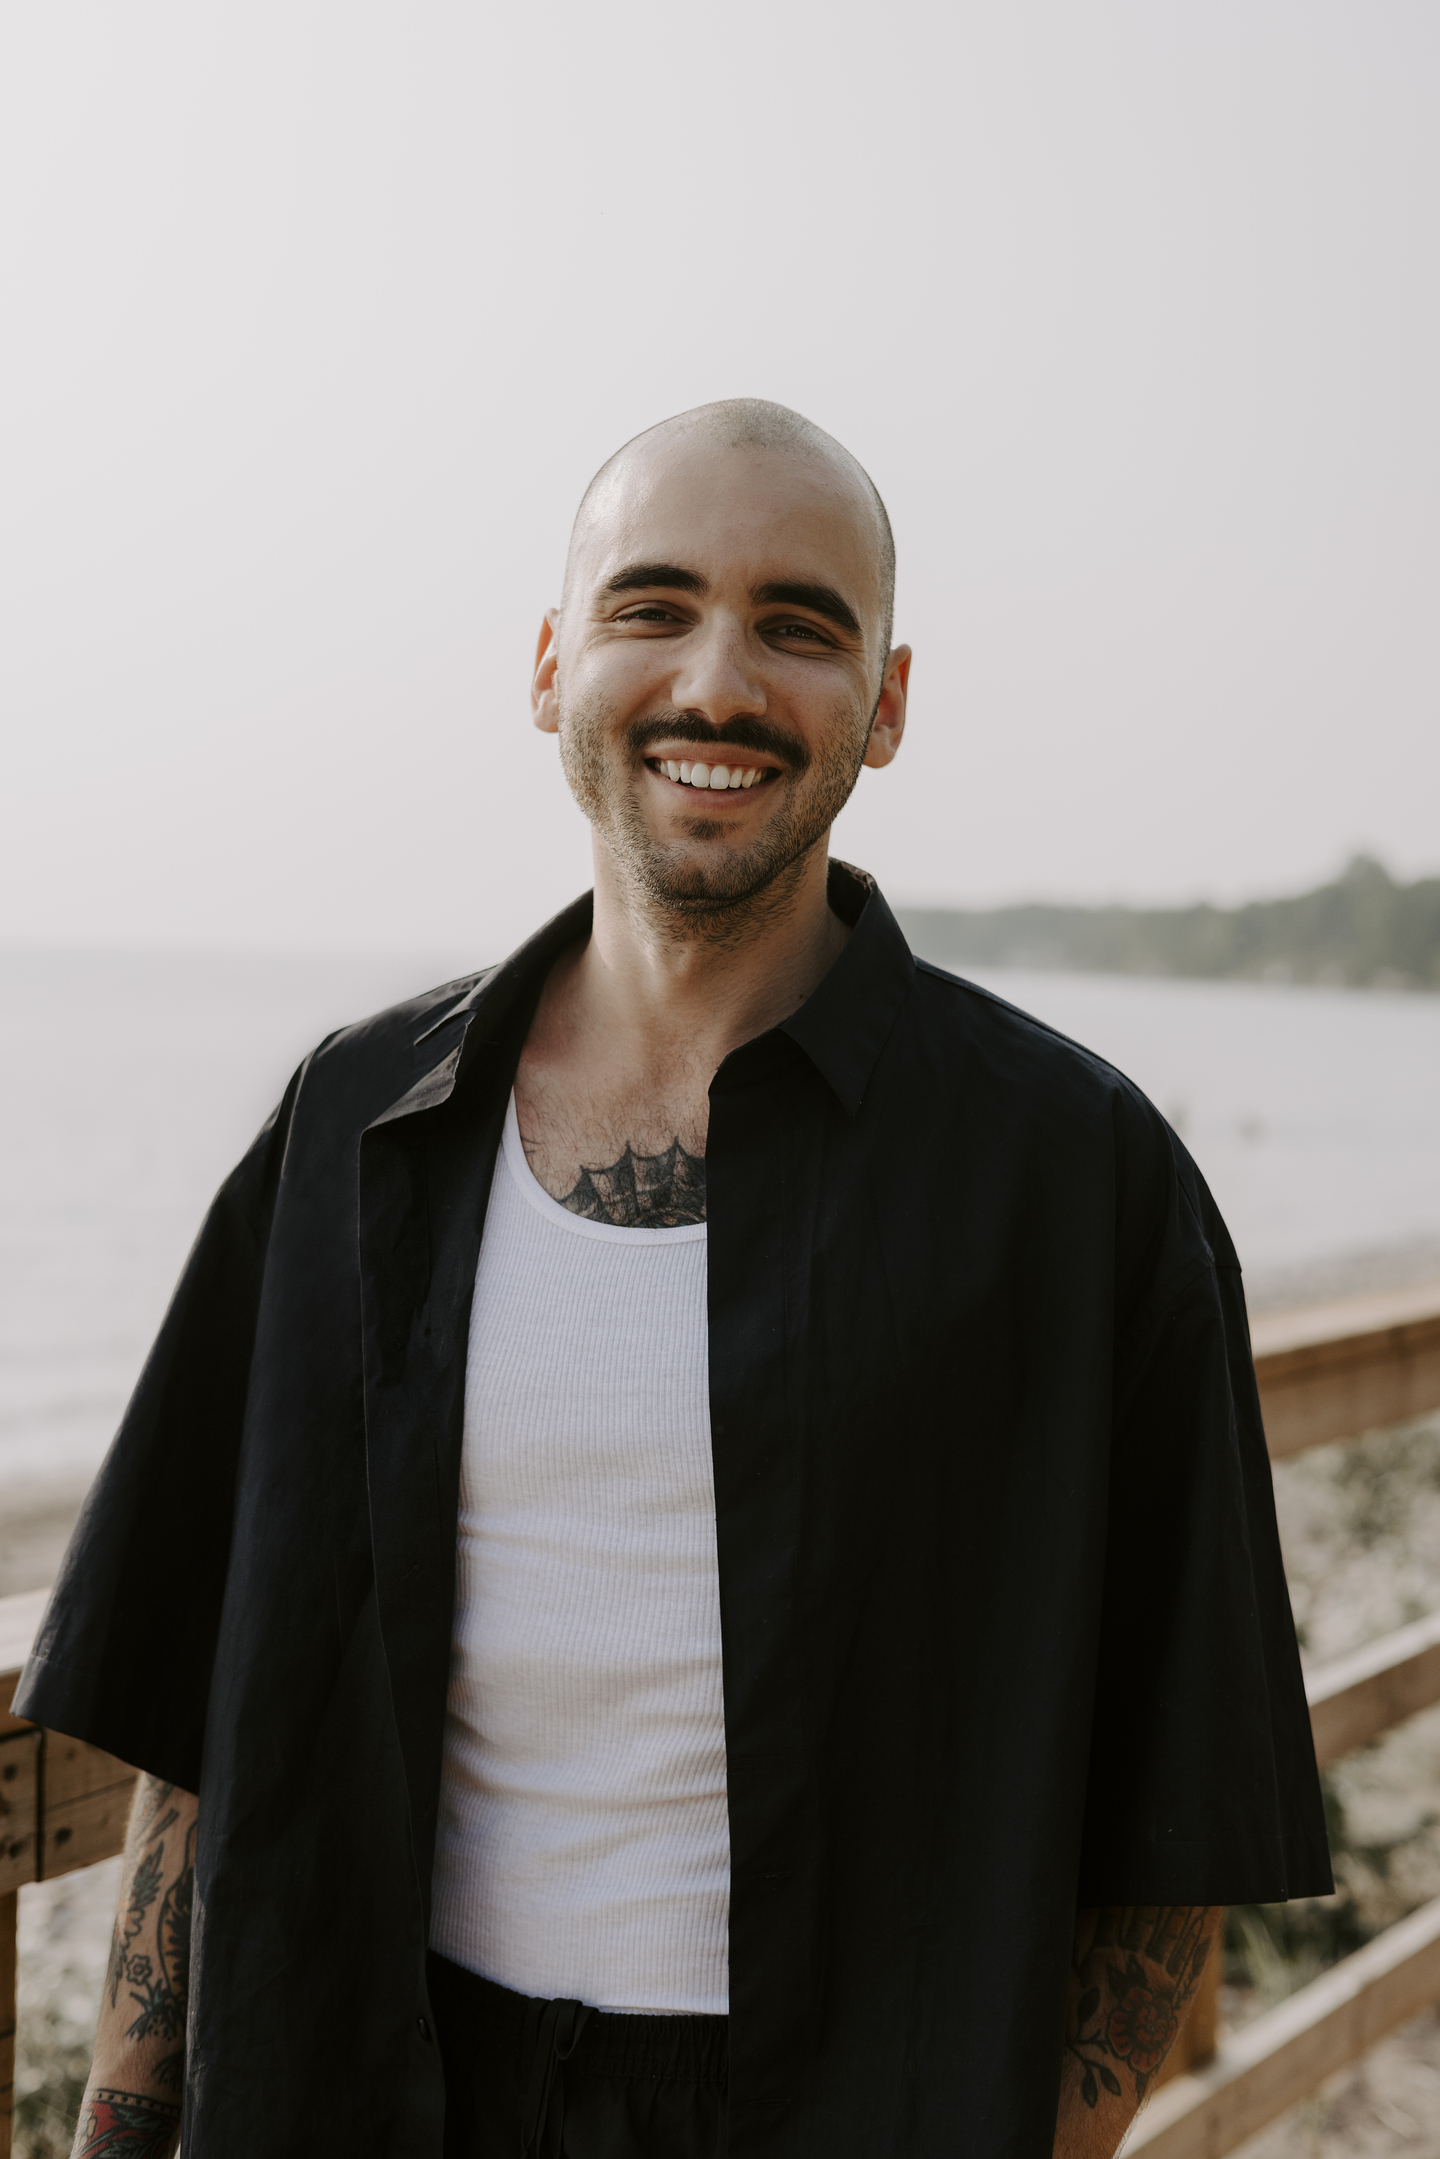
x,y
1074,1108
357,1072
983,1032
404,1026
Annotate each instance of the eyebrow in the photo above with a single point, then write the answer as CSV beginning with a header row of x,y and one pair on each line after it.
x,y
643,576
820,599
782,591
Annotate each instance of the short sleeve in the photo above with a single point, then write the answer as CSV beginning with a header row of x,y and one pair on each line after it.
x,y
1202,1784
124,1652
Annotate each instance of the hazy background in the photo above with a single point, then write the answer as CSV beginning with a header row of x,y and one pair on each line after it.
x,y
318,317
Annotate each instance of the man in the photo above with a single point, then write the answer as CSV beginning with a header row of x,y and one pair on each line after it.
x,y
699,1523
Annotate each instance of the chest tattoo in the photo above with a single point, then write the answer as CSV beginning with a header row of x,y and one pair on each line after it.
x,y
643,1191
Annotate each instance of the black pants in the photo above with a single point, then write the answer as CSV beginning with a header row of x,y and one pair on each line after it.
x,y
527,2079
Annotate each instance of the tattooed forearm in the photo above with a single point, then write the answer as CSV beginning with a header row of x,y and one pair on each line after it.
x,y
161,1984
643,1191
125,2125
1137,1966
169,2071
132,2103
152,1957
1134,1971
152,1816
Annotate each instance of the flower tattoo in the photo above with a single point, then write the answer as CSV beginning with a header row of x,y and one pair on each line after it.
x,y
1136,1967
1142,2030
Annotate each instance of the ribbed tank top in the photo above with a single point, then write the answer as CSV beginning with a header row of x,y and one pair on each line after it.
x,y
583,1843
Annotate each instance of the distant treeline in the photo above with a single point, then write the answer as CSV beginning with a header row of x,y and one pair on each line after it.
x,y
1364,930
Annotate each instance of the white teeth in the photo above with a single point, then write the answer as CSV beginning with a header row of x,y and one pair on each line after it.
x,y
716,776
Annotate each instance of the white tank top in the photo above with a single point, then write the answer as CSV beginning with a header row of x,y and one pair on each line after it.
x,y
583,1845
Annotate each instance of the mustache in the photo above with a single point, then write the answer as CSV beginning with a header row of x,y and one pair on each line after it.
x,y
745,732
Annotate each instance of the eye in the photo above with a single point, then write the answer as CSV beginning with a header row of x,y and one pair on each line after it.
x,y
799,632
651,612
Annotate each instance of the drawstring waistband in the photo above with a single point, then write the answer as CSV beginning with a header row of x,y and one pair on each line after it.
x,y
518,2059
549,2036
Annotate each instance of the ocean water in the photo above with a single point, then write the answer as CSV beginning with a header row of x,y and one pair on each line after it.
x,y
130,1084
1314,1114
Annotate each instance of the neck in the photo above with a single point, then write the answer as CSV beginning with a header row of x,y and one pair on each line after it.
x,y
690,987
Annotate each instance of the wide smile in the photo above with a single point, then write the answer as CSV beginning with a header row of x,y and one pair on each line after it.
x,y
717,778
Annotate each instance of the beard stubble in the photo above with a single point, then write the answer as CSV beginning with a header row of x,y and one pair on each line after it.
x,y
719,881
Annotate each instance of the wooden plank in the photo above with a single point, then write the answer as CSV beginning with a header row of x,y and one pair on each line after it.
x,y
19,1808
1340,1369
1342,1319
9,1926
1283,2056
73,1770
1356,1698
19,1621
86,1829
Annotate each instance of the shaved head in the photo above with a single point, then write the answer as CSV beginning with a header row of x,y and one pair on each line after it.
x,y
745,424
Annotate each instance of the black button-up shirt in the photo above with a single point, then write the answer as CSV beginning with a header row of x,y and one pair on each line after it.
x,y
1005,1627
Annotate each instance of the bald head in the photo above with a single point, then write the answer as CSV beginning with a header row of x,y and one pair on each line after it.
x,y
744,425
729,585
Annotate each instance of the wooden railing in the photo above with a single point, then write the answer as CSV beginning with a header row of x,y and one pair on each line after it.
x,y
63,1805
1338,1369
1325,1374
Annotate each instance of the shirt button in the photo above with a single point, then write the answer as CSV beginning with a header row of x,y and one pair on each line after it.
x,y
423,2028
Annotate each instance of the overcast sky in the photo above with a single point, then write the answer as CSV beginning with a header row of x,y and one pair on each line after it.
x,y
318,317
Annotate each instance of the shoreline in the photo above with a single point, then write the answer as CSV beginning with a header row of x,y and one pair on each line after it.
x,y
1413,1265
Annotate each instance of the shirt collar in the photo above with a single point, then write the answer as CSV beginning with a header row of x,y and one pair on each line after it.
x,y
842,1027
496,992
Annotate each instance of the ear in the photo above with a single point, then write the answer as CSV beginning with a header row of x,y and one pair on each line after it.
x,y
545,687
889,723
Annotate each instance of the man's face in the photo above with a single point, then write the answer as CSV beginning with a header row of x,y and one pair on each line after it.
x,y
718,664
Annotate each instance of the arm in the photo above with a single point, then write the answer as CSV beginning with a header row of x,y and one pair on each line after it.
x,y
132,2101
1133,1973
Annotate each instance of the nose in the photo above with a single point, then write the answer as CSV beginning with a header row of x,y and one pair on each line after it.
x,y
718,675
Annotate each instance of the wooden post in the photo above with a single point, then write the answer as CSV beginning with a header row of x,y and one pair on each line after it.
x,y
1342,1369
1356,1698
62,1805
9,1921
